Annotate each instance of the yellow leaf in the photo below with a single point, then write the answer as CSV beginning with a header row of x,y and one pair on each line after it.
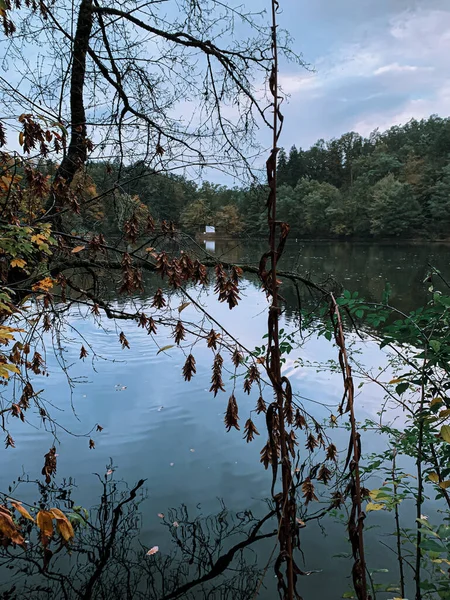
x,y
63,524
445,433
434,477
183,306
164,348
7,369
444,484
23,511
373,494
78,249
397,380
18,262
21,138
445,413
441,560
44,522
374,506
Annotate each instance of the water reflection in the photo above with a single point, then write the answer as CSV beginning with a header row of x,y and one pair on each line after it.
x,y
212,556
210,245
172,433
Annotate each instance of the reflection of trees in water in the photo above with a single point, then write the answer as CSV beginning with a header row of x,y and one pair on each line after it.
x,y
214,556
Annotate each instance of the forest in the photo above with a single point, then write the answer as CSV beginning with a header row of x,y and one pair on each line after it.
x,y
393,184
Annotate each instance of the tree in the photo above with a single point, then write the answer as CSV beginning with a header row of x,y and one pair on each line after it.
x,y
197,215
228,219
393,211
439,205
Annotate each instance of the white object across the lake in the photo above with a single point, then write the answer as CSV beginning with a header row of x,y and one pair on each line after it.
x,y
210,229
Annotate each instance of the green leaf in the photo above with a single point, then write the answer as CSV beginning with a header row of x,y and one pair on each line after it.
x,y
402,387
435,345
431,546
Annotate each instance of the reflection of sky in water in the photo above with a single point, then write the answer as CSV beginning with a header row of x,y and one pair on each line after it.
x,y
210,245
157,426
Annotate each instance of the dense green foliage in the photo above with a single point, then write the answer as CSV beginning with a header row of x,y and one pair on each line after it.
x,y
395,183
391,184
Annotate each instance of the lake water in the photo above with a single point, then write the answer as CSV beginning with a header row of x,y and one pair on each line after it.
x,y
171,433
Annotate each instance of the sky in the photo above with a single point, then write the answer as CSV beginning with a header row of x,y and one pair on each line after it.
x,y
377,63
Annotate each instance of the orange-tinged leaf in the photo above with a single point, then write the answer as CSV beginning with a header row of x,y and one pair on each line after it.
x,y
9,530
44,285
434,477
153,550
18,262
78,249
444,485
23,511
63,524
396,380
21,138
445,413
44,522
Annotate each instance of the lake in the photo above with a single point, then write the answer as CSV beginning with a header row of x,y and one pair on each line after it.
x,y
171,433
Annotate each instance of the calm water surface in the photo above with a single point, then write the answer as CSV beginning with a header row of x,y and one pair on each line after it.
x,y
171,433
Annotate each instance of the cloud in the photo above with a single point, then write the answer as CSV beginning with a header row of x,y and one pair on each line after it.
x,y
373,76
396,68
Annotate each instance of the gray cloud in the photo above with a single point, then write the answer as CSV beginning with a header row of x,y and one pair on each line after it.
x,y
377,64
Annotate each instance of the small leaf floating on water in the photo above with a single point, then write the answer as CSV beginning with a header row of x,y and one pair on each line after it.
x,y
91,444
83,353
99,428
153,550
192,449
161,515
171,464
109,472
